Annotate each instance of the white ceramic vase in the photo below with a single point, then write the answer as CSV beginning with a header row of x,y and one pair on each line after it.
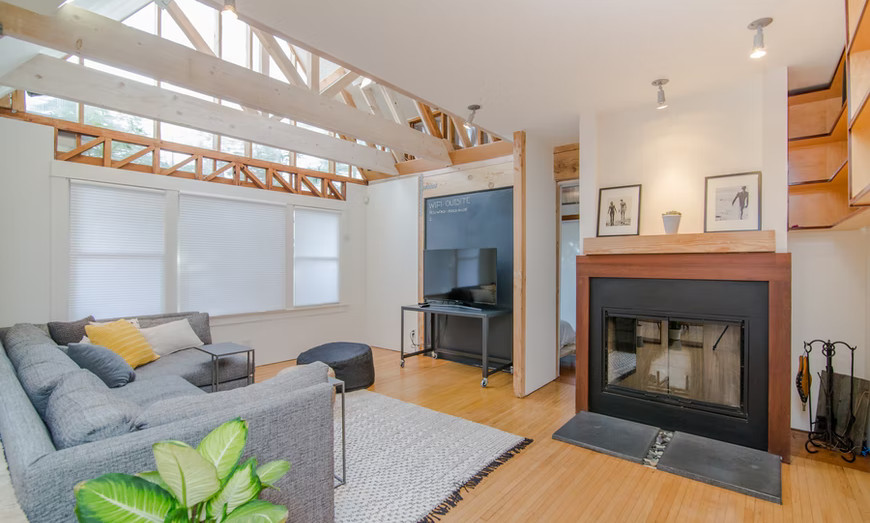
x,y
672,223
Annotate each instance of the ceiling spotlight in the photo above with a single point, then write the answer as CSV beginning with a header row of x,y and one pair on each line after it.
x,y
469,123
758,26
229,9
660,99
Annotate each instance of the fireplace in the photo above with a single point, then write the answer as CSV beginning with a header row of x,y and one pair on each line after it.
x,y
687,355
698,343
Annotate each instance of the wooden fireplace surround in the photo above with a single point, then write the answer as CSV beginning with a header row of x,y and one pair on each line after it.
x,y
775,269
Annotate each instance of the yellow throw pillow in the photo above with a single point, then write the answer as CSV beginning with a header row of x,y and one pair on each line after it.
x,y
122,338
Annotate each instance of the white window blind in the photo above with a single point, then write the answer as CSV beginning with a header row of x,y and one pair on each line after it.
x,y
315,256
116,251
231,255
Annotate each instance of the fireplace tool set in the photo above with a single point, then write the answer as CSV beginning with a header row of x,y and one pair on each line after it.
x,y
823,430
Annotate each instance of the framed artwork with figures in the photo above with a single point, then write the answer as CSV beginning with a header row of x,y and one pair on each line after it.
x,y
733,202
619,211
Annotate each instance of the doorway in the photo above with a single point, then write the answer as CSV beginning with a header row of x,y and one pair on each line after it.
x,y
568,195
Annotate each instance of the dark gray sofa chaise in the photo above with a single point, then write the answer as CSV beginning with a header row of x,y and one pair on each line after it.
x,y
289,417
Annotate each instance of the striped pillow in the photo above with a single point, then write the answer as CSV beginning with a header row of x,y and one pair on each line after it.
x,y
124,339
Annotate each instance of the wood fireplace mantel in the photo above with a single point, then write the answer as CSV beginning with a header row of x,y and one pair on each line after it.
x,y
775,269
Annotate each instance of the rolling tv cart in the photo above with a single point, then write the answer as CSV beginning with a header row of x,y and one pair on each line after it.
x,y
432,311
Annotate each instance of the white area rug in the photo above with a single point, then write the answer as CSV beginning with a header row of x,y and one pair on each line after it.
x,y
10,511
406,463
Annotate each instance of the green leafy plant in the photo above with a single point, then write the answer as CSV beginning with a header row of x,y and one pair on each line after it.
x,y
190,485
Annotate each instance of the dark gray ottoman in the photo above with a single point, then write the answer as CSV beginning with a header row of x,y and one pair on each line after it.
x,y
352,362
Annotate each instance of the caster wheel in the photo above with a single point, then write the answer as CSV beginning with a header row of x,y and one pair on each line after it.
x,y
483,382
402,364
434,355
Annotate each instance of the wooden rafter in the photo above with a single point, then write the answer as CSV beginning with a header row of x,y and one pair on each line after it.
x,y
428,119
89,35
96,142
284,63
339,85
187,27
74,82
461,132
314,72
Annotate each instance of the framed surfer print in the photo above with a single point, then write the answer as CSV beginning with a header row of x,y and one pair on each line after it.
x,y
733,202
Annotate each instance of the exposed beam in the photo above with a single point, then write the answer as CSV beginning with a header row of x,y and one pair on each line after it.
x,y
314,72
285,65
428,119
62,79
461,131
86,34
393,106
336,87
188,29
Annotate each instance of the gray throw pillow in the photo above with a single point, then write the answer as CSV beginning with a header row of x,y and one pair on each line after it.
x,y
81,410
66,332
107,365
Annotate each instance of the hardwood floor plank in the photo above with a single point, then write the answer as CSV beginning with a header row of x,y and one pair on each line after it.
x,y
555,481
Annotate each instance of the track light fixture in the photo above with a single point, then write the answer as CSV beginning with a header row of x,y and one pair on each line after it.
x,y
469,123
758,26
229,9
660,98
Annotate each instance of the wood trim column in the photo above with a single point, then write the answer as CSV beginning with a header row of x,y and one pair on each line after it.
x,y
519,313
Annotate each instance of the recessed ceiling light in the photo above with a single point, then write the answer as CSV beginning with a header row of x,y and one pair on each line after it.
x,y
469,123
660,95
758,26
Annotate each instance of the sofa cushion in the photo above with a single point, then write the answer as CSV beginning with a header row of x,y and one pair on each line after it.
x,y
66,332
107,365
171,337
123,338
179,408
144,392
81,410
198,321
38,362
195,366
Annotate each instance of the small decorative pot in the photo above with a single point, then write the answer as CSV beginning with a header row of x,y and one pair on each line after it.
x,y
672,222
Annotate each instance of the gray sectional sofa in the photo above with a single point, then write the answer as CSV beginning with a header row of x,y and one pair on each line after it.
x,y
60,425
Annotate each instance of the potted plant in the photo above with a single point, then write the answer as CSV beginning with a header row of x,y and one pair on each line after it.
x,y
671,220
190,485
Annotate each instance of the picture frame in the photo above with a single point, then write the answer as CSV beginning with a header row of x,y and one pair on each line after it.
x,y
732,202
619,211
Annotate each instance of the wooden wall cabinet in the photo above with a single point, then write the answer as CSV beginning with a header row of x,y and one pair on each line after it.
x,y
858,74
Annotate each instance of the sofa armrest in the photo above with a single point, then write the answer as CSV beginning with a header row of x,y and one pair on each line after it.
x,y
296,426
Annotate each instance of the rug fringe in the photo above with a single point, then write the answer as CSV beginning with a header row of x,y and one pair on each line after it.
x,y
456,496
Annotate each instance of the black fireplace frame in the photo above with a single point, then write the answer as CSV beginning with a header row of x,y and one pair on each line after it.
x,y
690,300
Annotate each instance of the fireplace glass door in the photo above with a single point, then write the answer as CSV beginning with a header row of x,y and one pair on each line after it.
x,y
685,361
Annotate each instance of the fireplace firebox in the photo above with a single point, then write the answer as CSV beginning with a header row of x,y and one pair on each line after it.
x,y
687,355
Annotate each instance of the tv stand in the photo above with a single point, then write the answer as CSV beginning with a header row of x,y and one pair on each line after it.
x,y
431,311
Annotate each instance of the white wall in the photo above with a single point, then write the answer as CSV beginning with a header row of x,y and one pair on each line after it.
x,y
737,128
34,199
391,259
829,301
25,215
541,266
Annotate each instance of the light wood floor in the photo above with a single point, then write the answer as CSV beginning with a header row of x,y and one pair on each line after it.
x,y
554,481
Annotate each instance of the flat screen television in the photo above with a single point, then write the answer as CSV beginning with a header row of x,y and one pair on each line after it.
x,y
460,276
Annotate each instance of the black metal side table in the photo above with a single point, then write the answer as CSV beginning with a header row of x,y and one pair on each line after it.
x,y
223,350
339,384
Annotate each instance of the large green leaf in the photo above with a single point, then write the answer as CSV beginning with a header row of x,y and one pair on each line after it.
x,y
154,477
119,498
243,486
190,476
224,445
178,515
258,511
270,473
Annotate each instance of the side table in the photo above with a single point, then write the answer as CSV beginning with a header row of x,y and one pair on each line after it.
x,y
222,350
339,384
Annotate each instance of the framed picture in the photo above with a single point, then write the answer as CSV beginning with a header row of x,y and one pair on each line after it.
x,y
733,202
619,211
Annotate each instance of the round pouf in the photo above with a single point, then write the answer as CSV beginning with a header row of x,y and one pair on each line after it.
x,y
352,362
